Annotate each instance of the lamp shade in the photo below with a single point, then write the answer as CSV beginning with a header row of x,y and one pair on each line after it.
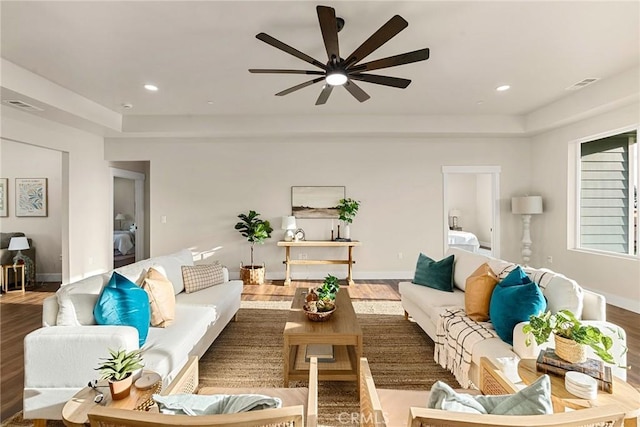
x,y
120,217
18,244
526,205
288,223
455,212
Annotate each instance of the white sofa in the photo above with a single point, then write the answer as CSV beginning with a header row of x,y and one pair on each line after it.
x,y
60,360
425,304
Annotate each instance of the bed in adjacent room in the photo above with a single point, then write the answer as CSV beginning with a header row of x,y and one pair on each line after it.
x,y
463,240
124,242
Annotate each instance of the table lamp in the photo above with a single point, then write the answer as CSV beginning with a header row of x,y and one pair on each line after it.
x,y
18,244
289,225
120,217
526,206
454,214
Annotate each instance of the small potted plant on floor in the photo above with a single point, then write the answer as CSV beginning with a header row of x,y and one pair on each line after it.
x,y
570,335
255,230
118,369
347,209
321,302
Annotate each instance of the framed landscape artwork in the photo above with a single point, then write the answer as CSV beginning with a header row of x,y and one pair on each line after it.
x,y
316,202
3,197
31,197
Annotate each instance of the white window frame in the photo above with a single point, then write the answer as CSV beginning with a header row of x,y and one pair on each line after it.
x,y
574,192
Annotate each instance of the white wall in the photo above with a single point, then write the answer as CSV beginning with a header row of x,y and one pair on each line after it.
x,y
617,278
123,202
19,160
85,215
200,186
483,211
462,196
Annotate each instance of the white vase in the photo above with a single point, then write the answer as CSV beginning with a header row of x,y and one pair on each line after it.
x,y
347,231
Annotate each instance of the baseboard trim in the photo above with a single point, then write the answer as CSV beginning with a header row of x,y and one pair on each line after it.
x,y
619,301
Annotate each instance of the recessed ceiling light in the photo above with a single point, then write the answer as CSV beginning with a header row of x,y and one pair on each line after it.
x,y
127,106
503,88
210,102
150,87
480,102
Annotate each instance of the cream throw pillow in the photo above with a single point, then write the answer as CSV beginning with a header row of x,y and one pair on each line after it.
x,y
198,277
161,298
477,294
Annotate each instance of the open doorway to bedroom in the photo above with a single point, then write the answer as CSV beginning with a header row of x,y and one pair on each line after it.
x,y
471,208
128,214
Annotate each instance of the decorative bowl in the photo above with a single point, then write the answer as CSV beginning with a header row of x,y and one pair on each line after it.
x,y
318,316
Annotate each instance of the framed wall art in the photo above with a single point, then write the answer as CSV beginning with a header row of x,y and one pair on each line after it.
x,y
4,186
31,197
316,201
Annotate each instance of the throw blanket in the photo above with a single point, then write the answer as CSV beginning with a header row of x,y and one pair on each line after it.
x,y
456,335
211,404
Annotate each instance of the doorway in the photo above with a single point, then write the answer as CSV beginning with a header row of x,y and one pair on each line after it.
x,y
128,213
471,208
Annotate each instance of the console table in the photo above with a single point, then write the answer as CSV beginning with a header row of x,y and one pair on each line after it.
x,y
288,262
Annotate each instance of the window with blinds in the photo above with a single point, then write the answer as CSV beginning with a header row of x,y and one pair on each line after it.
x,y
607,206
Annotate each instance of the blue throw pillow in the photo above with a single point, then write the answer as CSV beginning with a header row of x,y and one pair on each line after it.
x,y
122,302
514,299
434,274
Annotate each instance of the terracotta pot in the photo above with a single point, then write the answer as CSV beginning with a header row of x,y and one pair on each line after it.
x,y
121,389
570,350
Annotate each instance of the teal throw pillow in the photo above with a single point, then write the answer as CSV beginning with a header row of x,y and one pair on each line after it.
x,y
434,274
122,302
534,399
514,299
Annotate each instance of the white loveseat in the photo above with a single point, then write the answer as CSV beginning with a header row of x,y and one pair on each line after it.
x,y
60,360
425,304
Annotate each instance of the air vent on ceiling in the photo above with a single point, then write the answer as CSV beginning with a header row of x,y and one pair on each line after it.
x,y
22,105
583,83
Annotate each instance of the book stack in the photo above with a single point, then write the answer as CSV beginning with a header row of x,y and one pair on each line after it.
x,y
549,363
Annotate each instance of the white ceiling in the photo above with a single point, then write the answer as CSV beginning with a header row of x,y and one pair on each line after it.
x,y
198,53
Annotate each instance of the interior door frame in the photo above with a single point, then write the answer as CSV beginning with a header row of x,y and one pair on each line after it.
x,y
494,171
139,214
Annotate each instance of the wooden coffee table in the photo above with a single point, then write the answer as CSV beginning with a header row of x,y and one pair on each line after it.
x,y
74,412
624,395
341,330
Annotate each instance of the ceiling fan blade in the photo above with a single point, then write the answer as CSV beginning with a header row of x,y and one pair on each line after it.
x,y
324,95
392,61
329,28
377,39
290,50
356,91
300,86
271,71
381,80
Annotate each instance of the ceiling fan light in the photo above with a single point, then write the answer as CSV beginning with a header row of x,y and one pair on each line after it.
x,y
336,78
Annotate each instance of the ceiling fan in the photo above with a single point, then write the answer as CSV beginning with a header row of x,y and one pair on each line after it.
x,y
342,72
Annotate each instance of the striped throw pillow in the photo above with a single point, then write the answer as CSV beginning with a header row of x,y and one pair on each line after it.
x,y
199,277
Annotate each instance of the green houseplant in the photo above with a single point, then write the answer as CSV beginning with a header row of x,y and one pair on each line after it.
x,y
347,210
323,298
565,325
255,230
118,369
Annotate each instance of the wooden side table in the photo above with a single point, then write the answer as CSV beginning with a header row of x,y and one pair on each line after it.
x,y
5,276
624,395
74,412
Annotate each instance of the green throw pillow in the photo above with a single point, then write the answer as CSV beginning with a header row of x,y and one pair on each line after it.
x,y
434,274
532,400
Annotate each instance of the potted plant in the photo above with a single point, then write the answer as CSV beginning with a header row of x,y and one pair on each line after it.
x,y
321,302
118,369
570,336
255,230
347,210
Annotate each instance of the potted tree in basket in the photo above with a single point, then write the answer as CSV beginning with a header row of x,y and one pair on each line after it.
x,y
255,230
570,335
347,210
118,369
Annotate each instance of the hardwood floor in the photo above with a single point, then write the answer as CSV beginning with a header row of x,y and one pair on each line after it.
x,y
21,314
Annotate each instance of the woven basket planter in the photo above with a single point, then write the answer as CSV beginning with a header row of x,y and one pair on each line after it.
x,y
570,350
320,316
252,274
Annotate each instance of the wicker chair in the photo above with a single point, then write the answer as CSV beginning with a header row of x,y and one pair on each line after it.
x,y
400,408
187,382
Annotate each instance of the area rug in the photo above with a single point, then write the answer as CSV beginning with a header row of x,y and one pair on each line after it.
x,y
248,353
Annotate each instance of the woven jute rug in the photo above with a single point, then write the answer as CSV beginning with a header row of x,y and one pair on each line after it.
x,y
248,353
